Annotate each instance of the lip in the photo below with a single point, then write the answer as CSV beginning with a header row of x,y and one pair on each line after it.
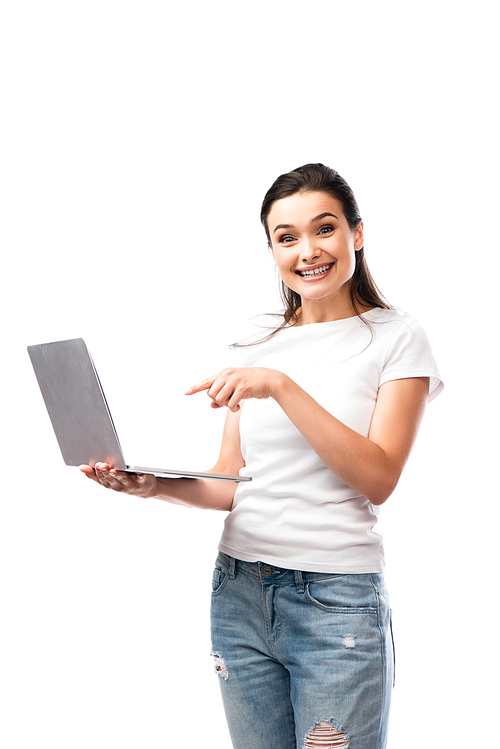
x,y
309,279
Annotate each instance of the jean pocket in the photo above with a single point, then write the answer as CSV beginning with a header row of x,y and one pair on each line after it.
x,y
219,576
337,596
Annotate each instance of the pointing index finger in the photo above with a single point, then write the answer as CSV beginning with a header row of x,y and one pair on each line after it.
x,y
204,385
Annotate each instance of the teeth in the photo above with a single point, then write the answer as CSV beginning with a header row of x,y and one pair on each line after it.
x,y
316,271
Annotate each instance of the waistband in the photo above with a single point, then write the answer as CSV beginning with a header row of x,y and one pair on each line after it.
x,y
271,574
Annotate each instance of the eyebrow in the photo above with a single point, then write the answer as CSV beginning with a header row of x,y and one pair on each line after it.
x,y
316,218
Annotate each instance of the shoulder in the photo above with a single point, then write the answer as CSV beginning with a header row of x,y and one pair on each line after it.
x,y
405,349
392,316
394,324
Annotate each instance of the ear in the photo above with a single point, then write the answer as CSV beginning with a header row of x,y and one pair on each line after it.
x,y
359,237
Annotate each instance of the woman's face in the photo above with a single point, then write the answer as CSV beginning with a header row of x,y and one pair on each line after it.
x,y
314,248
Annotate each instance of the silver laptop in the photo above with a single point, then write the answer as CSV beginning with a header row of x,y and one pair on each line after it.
x,y
79,413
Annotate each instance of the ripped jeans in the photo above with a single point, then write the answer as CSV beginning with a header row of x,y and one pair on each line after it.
x,y
305,659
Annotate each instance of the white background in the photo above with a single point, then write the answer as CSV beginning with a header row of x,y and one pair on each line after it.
x,y
137,141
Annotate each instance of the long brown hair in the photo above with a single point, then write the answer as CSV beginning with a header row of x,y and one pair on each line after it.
x,y
320,178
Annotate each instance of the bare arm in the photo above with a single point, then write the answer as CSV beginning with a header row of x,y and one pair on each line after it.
x,y
372,465
203,493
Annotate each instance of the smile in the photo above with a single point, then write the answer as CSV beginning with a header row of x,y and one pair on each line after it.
x,y
316,272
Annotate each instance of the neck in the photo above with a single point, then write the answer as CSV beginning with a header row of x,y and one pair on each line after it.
x,y
309,313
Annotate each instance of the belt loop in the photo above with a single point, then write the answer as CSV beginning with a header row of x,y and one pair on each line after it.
x,y
299,581
232,568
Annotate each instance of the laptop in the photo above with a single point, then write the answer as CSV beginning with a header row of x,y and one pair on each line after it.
x,y
79,412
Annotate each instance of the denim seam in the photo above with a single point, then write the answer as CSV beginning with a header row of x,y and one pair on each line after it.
x,y
382,651
271,641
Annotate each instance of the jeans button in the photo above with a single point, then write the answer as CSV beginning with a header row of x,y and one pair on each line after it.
x,y
267,570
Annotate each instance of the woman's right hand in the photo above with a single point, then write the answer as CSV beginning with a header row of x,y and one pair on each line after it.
x,y
137,484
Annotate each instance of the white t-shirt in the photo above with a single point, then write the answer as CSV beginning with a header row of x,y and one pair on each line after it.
x,y
296,513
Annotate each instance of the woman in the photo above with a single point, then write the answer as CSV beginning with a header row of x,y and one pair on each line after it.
x,y
332,401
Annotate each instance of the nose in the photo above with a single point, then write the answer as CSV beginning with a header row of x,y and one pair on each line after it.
x,y
309,251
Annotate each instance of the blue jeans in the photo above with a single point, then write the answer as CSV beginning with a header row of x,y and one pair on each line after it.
x,y
305,659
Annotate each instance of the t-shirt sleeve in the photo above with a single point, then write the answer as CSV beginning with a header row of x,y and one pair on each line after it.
x,y
410,355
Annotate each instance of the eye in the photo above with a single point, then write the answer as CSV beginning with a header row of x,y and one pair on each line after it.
x,y
325,230
286,239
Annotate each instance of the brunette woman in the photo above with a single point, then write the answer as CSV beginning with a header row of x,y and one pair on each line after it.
x,y
322,413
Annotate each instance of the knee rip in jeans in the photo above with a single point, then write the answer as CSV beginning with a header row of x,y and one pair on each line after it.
x,y
220,666
325,735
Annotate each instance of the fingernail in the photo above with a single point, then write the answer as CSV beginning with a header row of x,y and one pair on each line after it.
x,y
189,391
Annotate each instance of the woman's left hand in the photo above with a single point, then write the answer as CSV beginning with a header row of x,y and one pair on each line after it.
x,y
230,386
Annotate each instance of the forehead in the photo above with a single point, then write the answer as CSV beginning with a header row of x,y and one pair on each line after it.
x,y
300,208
